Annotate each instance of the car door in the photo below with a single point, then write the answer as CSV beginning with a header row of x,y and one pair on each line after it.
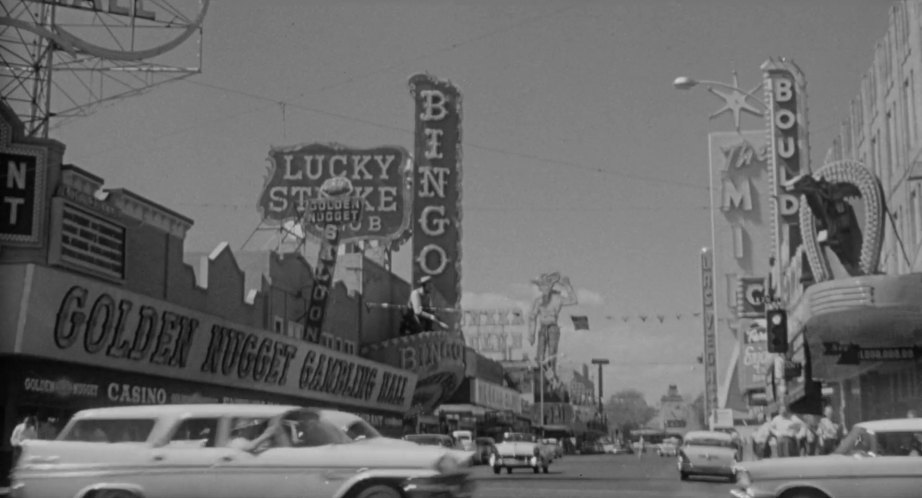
x,y
864,476
293,462
184,461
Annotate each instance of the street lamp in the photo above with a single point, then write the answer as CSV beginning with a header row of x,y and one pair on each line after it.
x,y
541,365
600,362
736,100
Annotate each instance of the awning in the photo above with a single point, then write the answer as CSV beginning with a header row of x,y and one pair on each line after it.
x,y
878,311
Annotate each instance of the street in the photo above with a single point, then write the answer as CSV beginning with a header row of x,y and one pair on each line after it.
x,y
591,476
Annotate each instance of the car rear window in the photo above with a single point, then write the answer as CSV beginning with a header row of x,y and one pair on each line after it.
x,y
128,430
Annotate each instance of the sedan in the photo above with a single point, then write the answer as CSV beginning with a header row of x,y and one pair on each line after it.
x,y
877,458
227,450
707,453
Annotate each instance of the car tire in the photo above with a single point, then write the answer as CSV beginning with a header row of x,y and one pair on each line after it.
x,y
508,470
683,476
496,470
537,470
545,469
376,491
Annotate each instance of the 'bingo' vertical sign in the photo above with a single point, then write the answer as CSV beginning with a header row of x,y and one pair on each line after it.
x,y
437,190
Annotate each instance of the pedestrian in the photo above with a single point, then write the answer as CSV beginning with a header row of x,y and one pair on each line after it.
x,y
24,431
761,448
911,413
640,448
788,429
829,432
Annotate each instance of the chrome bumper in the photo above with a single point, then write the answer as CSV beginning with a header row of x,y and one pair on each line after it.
x,y
518,461
448,486
751,493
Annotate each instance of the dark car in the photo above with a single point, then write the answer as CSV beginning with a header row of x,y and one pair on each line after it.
x,y
484,447
431,440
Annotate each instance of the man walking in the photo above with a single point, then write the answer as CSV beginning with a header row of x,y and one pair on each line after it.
x,y
788,429
829,432
24,431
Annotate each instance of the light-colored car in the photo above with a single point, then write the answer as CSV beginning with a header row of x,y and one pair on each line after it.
x,y
878,458
226,450
556,447
668,448
361,431
708,453
519,450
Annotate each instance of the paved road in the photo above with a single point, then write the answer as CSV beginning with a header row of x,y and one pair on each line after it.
x,y
598,476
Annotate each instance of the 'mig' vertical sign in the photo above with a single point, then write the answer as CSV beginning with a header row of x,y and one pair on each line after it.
x,y
437,190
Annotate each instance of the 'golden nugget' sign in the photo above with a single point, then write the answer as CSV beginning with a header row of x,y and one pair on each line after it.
x,y
437,188
80,320
379,177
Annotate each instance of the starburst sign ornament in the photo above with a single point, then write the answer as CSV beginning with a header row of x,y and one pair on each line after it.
x,y
736,100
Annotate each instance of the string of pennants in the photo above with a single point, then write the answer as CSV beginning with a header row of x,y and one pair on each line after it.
x,y
581,322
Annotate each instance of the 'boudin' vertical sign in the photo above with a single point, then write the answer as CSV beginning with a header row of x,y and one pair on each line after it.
x,y
437,190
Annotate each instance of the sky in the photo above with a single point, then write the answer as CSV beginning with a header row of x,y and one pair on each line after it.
x,y
579,156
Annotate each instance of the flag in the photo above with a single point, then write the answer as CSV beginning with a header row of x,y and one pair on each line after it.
x,y
580,322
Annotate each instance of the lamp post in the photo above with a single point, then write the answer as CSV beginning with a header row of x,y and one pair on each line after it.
x,y
600,362
736,101
541,365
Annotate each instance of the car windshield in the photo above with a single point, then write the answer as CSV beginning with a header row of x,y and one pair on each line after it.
x,y
710,442
131,430
360,429
305,429
881,443
518,437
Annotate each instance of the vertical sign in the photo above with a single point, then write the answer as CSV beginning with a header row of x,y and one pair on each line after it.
x,y
437,190
23,168
710,339
333,210
785,93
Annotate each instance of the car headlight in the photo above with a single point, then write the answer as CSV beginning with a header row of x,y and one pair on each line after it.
x,y
447,465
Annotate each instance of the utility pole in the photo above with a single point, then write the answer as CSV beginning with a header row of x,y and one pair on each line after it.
x,y
600,362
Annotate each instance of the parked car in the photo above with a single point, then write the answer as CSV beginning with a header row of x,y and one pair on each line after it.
x,y
877,458
225,450
668,449
485,447
464,440
520,450
707,453
622,449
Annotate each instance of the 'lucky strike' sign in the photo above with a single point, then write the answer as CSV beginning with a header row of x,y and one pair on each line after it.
x,y
379,176
437,189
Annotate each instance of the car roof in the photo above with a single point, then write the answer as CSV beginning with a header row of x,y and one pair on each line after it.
x,y
707,435
202,410
893,425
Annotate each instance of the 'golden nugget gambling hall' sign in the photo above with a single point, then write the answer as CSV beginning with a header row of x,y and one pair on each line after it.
x,y
379,176
80,320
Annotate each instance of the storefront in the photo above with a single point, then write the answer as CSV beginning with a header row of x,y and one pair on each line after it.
x,y
858,340
74,342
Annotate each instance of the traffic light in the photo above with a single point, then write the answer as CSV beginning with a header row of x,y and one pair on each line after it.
x,y
777,323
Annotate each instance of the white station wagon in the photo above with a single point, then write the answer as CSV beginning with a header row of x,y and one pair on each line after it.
x,y
882,458
230,451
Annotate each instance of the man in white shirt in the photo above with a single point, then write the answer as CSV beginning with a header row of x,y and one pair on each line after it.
x,y
24,431
788,429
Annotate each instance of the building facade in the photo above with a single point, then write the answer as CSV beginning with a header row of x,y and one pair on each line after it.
x,y
98,308
855,324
